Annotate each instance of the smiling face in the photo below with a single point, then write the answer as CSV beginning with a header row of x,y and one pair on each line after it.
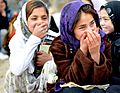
x,y
85,24
2,5
106,22
37,17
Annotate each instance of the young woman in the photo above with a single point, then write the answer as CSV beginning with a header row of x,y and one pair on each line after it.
x,y
82,51
109,20
27,72
5,16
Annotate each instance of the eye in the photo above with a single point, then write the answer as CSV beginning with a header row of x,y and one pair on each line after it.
x,y
45,17
33,18
92,23
106,19
82,27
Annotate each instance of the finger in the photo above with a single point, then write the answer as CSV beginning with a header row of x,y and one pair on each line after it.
x,y
44,30
41,27
42,24
88,42
90,38
97,29
39,63
39,52
83,36
97,35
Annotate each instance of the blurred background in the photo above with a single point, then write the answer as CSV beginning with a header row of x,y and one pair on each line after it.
x,y
55,7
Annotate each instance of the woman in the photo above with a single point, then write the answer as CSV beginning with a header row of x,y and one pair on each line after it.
x,y
5,16
109,20
81,52
28,64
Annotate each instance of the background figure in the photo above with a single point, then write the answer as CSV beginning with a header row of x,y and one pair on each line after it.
x,y
5,16
30,67
110,22
10,33
82,51
96,3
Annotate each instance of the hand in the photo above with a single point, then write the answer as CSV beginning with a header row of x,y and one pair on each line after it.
x,y
42,58
83,44
94,42
40,30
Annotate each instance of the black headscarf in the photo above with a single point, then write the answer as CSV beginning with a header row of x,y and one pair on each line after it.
x,y
113,10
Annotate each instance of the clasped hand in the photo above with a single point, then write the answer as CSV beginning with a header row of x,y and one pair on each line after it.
x,y
90,43
42,58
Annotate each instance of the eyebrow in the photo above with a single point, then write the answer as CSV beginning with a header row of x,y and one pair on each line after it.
x,y
37,15
86,24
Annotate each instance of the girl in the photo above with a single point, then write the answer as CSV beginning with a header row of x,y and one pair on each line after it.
x,y
81,52
109,20
27,72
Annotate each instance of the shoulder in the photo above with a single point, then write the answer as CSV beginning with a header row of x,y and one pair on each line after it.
x,y
57,40
57,44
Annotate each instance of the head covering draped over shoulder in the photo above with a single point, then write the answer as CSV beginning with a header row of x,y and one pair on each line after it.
x,y
113,11
21,23
68,15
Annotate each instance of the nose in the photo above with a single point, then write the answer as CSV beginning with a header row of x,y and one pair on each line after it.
x,y
89,28
39,21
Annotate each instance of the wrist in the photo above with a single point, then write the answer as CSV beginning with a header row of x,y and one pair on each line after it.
x,y
96,58
84,51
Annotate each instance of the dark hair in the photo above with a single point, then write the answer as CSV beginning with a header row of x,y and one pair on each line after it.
x,y
87,8
90,1
31,5
6,5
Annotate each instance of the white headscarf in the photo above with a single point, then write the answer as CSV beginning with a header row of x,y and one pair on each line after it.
x,y
17,23
21,25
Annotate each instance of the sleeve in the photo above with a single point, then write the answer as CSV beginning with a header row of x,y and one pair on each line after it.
x,y
21,53
102,73
82,70
77,71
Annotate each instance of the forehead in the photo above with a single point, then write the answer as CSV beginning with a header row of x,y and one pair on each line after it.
x,y
103,12
39,11
85,19
86,16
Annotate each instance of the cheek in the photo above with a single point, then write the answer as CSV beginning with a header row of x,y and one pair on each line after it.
x,y
111,29
78,34
31,26
46,23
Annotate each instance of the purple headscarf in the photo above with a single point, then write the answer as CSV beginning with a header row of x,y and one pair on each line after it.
x,y
68,15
